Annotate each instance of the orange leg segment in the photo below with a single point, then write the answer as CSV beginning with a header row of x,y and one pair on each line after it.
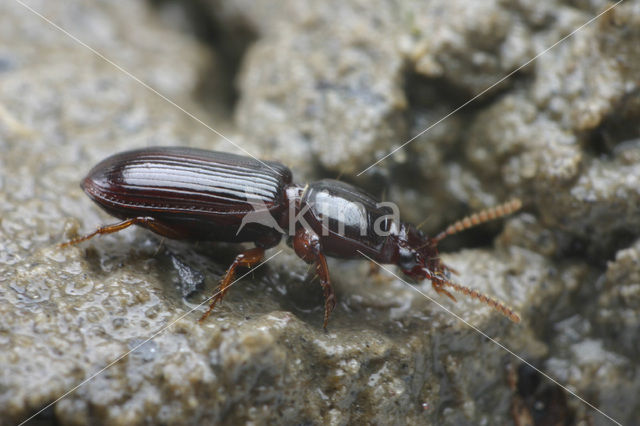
x,y
110,229
307,246
438,286
329,296
247,259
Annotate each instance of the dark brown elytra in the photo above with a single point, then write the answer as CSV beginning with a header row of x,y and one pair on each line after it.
x,y
193,194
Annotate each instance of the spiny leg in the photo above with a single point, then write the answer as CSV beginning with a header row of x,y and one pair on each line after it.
x,y
307,246
329,296
247,259
109,229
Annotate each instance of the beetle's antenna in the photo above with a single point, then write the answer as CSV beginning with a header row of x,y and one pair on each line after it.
x,y
475,294
480,217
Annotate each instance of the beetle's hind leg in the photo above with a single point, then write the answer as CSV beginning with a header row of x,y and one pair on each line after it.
x,y
106,229
247,259
148,222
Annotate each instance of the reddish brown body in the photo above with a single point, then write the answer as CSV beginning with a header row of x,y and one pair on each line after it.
x,y
184,193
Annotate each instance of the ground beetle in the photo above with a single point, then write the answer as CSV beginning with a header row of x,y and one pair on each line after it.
x,y
193,194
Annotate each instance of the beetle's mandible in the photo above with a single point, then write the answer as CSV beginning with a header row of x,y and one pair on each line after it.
x,y
193,194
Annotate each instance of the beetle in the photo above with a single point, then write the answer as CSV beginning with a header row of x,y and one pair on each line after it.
x,y
195,194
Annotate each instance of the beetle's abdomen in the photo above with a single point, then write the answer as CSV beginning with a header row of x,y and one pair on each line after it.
x,y
186,181
347,219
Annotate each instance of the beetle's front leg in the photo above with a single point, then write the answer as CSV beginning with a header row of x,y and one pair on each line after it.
x,y
307,246
247,259
329,296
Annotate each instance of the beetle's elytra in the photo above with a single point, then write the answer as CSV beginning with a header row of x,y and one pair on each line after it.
x,y
193,194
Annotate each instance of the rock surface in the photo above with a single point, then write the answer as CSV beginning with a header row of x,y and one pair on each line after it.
x,y
327,88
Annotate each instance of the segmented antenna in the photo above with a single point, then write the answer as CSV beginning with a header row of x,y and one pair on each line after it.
x,y
495,304
480,217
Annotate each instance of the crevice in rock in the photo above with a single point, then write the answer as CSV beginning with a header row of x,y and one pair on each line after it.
x,y
229,39
540,400
618,134
46,418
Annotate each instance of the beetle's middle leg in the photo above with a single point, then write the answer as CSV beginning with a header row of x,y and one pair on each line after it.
x,y
247,259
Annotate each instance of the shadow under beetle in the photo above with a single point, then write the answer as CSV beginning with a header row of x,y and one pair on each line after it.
x,y
193,194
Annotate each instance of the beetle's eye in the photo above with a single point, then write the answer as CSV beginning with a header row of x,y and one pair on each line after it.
x,y
407,259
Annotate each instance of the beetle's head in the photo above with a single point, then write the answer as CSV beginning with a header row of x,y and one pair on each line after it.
x,y
417,254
